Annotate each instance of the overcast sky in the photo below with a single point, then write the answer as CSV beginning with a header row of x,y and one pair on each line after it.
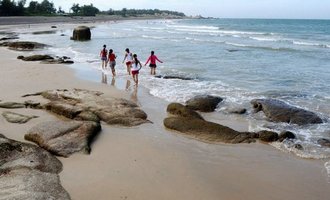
x,y
301,9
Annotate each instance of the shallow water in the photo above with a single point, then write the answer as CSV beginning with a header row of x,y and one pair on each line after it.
x,y
237,59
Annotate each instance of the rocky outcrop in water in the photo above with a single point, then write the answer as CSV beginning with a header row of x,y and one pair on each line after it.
x,y
28,172
17,118
193,126
173,77
64,138
207,131
9,38
324,142
57,61
279,111
182,111
23,45
237,110
44,32
204,103
286,135
81,33
267,136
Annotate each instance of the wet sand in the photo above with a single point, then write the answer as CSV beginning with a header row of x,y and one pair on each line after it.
x,y
150,162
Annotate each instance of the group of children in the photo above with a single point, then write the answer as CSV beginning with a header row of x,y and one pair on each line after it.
x,y
133,65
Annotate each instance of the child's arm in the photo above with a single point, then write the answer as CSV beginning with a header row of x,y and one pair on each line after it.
x,y
147,61
124,58
158,59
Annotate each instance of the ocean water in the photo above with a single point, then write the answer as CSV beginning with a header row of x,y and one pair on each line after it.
x,y
237,59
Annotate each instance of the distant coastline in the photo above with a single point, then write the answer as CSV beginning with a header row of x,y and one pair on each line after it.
x,y
16,20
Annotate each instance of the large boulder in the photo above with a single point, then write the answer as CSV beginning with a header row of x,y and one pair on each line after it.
x,y
90,105
181,110
81,33
207,131
204,103
22,184
16,117
278,111
28,172
16,155
64,138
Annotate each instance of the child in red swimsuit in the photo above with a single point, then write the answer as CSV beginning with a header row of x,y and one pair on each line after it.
x,y
103,55
112,61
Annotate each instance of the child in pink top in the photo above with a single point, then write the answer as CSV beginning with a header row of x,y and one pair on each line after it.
x,y
152,58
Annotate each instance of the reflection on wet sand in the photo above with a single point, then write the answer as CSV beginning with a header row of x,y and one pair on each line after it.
x,y
113,81
129,88
128,84
134,97
104,78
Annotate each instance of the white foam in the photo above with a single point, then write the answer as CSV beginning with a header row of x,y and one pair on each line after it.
x,y
327,168
193,27
311,44
265,39
309,151
153,37
236,44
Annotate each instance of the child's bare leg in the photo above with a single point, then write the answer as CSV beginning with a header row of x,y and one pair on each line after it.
x,y
128,69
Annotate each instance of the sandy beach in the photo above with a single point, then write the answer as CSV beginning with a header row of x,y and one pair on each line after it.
x,y
151,162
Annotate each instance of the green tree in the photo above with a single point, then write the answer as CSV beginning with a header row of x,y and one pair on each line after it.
x,y
20,9
33,7
89,10
11,8
43,8
47,7
124,12
7,8
60,11
75,8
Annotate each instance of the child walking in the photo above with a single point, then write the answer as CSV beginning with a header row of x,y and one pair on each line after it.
x,y
128,60
136,66
103,55
152,58
112,62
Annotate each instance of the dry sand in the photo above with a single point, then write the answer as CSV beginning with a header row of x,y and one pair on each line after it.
x,y
150,162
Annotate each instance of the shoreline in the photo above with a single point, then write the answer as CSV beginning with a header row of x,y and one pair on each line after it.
x,y
150,162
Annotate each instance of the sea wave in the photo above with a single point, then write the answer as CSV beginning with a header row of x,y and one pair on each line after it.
x,y
266,39
269,48
311,44
194,27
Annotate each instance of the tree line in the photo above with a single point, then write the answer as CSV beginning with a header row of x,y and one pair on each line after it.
x,y
140,12
47,8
